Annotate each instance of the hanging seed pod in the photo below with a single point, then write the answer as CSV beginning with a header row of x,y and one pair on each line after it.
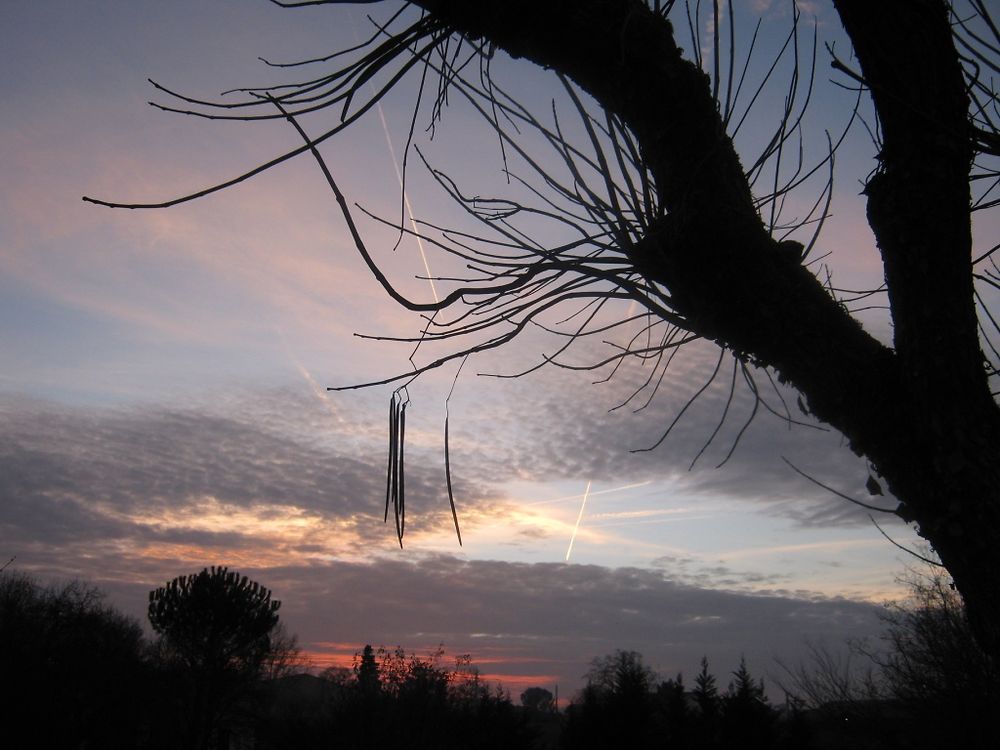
x,y
400,497
447,476
392,457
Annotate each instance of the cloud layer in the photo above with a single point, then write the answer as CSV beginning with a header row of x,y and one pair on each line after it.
x,y
542,624
290,490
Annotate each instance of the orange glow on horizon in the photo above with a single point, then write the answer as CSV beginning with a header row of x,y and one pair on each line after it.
x,y
513,682
325,654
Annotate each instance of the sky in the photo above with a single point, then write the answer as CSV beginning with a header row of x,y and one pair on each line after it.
x,y
164,373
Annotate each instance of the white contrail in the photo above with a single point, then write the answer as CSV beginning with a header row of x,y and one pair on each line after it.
x,y
576,528
399,177
317,390
406,201
550,501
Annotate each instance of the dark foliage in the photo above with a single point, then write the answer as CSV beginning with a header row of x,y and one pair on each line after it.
x,y
215,620
72,669
631,710
538,699
401,701
926,684
76,673
617,706
216,630
934,670
747,719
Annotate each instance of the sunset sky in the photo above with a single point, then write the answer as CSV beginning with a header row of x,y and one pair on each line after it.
x,y
163,382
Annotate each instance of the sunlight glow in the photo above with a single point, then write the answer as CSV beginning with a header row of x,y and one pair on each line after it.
x,y
218,517
261,535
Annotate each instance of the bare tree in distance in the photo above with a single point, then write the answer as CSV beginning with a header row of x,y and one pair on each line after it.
x,y
927,668
930,661
658,209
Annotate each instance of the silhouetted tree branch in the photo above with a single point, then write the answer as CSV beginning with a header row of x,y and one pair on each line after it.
x,y
659,210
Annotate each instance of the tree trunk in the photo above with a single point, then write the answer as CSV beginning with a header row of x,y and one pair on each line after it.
x,y
919,209
921,411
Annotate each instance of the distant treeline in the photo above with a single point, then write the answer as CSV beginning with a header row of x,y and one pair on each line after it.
x,y
222,674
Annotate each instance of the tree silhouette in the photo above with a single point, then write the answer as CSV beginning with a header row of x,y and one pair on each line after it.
x,y
676,714
663,213
926,683
615,707
215,619
403,700
706,694
621,673
932,665
366,672
538,699
73,668
217,627
709,702
747,719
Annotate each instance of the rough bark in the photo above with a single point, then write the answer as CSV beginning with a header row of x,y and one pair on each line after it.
x,y
920,411
918,208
